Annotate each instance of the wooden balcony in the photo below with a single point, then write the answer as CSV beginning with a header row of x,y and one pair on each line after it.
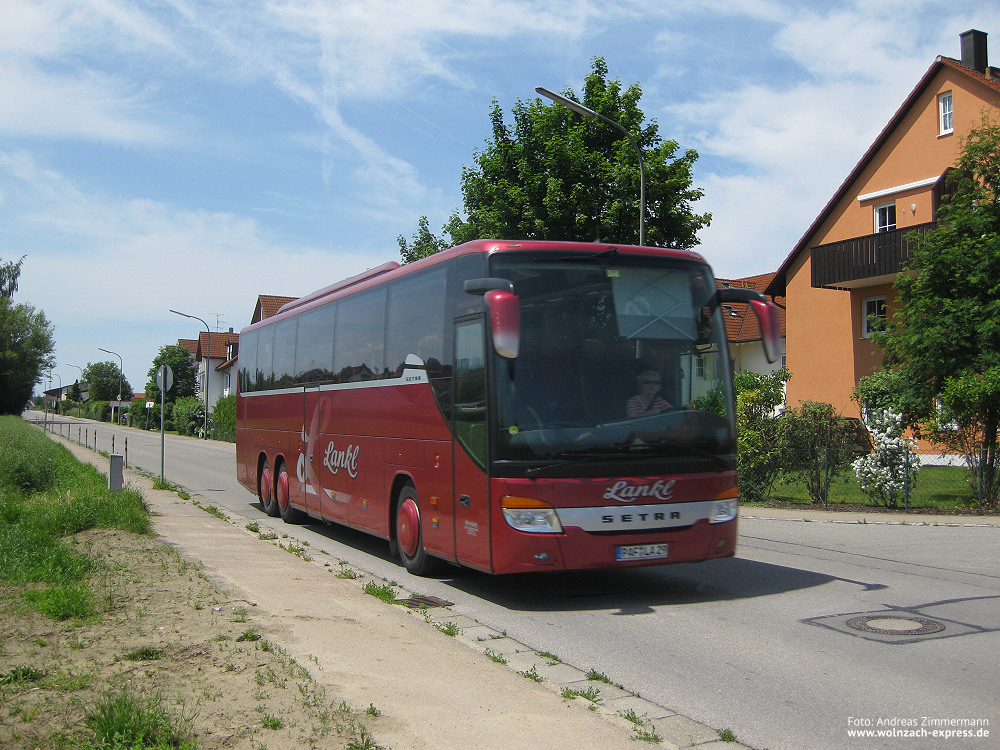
x,y
863,261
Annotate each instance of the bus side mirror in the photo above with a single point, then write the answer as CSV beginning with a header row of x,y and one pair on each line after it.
x,y
770,328
505,322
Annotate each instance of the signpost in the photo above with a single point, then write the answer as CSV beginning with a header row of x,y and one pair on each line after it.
x,y
164,381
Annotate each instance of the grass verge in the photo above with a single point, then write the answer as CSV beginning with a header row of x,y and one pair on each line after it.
x,y
109,640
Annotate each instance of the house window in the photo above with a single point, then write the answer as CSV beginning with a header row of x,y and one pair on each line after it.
x,y
873,312
946,115
885,217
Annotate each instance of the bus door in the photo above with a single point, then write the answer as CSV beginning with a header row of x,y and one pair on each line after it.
x,y
320,499
469,421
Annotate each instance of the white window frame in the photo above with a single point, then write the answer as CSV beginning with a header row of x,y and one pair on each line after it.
x,y
946,113
879,225
866,325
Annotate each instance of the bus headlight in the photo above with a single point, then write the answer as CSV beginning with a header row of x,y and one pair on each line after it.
x,y
528,514
724,510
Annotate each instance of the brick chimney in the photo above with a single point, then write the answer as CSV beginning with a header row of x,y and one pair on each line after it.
x,y
974,50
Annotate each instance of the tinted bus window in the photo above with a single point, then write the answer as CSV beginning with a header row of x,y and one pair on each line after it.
x,y
264,374
314,345
359,341
248,361
415,320
284,353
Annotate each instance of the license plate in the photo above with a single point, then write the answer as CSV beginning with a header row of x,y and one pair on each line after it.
x,y
641,551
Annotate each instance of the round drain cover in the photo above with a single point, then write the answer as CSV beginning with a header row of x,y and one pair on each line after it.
x,y
889,625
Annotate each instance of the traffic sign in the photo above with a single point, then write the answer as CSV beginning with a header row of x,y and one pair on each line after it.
x,y
164,377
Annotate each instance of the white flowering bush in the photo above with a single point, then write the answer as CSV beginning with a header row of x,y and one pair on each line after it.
x,y
890,470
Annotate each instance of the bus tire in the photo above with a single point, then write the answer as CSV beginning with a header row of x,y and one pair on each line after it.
x,y
282,498
265,490
410,534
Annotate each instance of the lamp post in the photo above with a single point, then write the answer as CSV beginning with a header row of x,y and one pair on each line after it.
x,y
208,360
80,403
121,374
587,112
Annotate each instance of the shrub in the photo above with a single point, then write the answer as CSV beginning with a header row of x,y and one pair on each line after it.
x,y
189,415
890,471
817,444
759,458
224,418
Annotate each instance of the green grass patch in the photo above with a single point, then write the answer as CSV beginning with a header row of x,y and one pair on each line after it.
x,y
122,721
37,516
937,488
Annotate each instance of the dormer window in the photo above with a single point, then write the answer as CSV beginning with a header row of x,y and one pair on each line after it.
x,y
946,115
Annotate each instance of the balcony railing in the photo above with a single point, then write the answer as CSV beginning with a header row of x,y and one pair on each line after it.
x,y
844,264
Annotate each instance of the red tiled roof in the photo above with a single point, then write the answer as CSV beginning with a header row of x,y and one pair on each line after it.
x,y
268,305
190,344
215,344
743,326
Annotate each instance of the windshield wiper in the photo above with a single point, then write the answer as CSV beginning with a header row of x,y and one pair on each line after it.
x,y
578,458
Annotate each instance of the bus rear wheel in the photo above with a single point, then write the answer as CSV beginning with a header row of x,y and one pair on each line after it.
x,y
409,534
265,490
288,513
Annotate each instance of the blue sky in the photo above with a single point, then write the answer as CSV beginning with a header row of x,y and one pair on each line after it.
x,y
192,155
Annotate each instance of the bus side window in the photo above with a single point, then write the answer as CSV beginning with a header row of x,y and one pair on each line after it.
x,y
470,389
415,320
358,345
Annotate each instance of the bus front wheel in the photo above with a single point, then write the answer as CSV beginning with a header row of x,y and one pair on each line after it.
x,y
265,490
409,534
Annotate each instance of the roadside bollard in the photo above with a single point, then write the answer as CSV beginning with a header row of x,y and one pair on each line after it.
x,y
115,474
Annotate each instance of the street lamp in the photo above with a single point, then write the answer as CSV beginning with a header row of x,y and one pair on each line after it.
x,y
587,112
78,381
208,361
121,374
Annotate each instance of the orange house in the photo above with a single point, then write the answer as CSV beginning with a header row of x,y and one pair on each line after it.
x,y
837,281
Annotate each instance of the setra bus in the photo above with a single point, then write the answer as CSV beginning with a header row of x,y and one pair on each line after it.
x,y
479,407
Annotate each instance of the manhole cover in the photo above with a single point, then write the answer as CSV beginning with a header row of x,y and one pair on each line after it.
x,y
889,625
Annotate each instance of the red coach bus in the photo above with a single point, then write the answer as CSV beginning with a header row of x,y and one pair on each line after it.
x,y
507,406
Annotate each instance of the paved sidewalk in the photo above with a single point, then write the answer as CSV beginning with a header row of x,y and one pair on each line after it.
x,y
434,692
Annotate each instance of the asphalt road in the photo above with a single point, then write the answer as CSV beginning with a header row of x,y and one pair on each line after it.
x,y
815,630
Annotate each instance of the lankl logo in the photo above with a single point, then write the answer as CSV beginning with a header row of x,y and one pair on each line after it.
x,y
626,492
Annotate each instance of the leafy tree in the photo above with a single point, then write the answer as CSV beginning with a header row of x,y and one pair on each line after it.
x,y
759,460
555,174
9,274
179,360
817,444
423,244
26,344
106,381
944,341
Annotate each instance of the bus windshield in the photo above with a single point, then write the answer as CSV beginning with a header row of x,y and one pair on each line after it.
x,y
622,367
